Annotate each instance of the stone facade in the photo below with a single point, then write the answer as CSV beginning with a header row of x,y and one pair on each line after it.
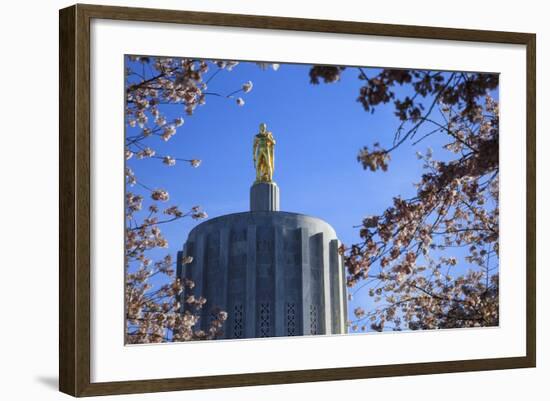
x,y
275,273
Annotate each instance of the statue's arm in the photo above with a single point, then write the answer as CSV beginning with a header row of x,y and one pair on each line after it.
x,y
254,149
272,154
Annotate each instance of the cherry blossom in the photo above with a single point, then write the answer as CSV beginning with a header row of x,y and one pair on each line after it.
x,y
405,258
155,314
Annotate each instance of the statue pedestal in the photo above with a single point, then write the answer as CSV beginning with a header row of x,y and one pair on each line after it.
x,y
264,196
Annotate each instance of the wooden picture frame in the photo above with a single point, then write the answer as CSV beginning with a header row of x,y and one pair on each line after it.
x,y
74,201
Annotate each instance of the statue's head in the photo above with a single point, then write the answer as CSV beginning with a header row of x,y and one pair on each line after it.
x,y
263,127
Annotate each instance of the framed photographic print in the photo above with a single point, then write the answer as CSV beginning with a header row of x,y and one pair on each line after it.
x,y
250,200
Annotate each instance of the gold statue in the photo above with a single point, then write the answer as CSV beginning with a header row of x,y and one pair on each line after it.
x,y
264,154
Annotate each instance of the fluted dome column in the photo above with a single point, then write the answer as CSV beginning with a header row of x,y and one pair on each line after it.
x,y
274,273
264,197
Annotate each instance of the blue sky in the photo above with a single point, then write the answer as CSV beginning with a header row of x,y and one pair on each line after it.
x,y
319,131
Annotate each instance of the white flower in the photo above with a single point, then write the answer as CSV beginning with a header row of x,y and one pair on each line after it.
x,y
173,211
160,120
147,152
159,194
128,153
247,86
199,215
169,161
359,312
265,66
240,101
178,121
195,163
230,65
168,132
